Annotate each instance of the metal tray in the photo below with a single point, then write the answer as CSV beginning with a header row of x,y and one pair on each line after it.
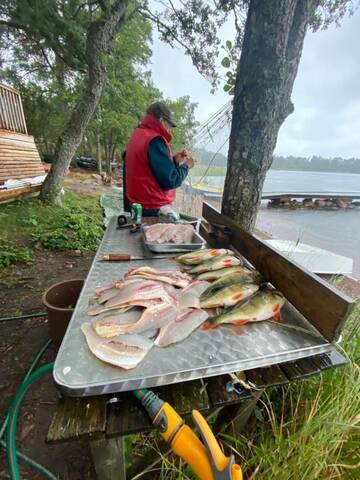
x,y
197,242
203,354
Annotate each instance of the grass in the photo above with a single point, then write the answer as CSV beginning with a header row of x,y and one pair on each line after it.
x,y
308,431
25,224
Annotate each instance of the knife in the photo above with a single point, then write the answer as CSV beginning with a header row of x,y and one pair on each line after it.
x,y
126,257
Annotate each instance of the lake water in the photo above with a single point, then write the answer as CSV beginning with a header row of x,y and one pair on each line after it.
x,y
334,230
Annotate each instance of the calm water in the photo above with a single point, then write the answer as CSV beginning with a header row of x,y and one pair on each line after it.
x,y
334,230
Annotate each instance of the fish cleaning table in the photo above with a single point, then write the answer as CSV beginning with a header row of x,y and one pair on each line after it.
x,y
204,354
191,374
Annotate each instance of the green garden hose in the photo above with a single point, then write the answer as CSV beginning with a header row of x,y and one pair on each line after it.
x,y
32,463
24,317
11,452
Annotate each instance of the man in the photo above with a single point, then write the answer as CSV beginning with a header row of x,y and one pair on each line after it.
x,y
152,172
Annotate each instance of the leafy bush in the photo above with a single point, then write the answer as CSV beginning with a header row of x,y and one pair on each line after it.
x,y
70,231
10,254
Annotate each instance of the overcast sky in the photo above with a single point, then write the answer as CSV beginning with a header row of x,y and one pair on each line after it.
x,y
326,93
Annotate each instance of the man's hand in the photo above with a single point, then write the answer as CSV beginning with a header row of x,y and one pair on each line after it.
x,y
181,156
191,162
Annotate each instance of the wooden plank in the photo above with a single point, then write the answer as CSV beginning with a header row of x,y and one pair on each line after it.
x,y
78,417
15,136
186,396
322,304
10,89
6,195
126,415
267,376
109,458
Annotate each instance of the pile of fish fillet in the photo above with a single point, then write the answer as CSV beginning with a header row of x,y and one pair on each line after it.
x,y
169,233
151,308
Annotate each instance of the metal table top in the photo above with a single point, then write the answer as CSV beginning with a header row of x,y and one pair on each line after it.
x,y
205,353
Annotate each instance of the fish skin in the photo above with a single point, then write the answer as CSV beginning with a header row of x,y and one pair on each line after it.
x,y
216,263
263,305
229,296
216,274
113,324
232,279
189,297
155,317
125,351
199,256
181,327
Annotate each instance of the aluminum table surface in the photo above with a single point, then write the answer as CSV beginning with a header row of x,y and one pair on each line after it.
x,y
205,353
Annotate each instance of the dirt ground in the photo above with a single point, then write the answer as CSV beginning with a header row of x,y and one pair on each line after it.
x,y
21,289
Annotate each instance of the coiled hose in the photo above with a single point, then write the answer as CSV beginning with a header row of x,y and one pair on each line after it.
x,y
12,460
13,452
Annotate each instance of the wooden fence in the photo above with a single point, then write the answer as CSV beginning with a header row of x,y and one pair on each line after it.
x,y
11,110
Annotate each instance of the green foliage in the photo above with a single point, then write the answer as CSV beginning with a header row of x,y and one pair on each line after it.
x,y
11,253
75,226
70,231
230,62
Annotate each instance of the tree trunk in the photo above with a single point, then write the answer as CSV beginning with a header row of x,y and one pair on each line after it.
x,y
98,151
272,47
100,37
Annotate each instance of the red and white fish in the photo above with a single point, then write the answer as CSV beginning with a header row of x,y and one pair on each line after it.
x,y
181,327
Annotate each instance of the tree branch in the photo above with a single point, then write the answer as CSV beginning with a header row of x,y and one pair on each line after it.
x,y
11,24
82,5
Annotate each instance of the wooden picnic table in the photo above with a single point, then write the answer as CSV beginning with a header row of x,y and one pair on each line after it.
x,y
106,419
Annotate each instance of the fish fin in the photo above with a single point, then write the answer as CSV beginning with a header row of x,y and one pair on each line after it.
x,y
278,317
240,322
208,325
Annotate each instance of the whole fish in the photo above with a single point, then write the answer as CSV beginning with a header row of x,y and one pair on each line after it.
x,y
228,296
232,279
189,297
125,351
181,327
216,274
114,324
199,256
215,263
155,317
263,305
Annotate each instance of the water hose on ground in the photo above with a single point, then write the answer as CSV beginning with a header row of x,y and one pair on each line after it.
x,y
23,317
3,444
11,452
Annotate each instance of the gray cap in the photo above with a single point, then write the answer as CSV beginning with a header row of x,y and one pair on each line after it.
x,y
160,110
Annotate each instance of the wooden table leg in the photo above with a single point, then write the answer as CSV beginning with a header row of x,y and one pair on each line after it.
x,y
109,458
235,417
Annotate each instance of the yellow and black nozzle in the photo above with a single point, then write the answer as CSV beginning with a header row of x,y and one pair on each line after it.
x,y
205,458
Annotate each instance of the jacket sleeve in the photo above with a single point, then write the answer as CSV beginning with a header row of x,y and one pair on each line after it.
x,y
167,173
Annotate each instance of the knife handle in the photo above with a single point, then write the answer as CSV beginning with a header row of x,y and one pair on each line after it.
x,y
117,257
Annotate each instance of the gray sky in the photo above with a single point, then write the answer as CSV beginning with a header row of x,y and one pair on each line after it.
x,y
326,93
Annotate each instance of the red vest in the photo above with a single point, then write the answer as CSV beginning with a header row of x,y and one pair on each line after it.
x,y
141,185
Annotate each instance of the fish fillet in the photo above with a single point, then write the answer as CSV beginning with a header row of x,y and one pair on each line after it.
x,y
97,309
154,232
181,327
113,324
155,317
144,290
125,351
189,297
176,278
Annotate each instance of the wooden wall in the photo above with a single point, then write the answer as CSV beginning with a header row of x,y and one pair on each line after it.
x,y
19,157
